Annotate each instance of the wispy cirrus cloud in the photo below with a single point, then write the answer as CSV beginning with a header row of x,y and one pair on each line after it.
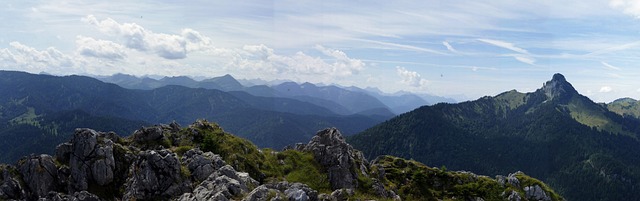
x,y
524,56
449,47
609,66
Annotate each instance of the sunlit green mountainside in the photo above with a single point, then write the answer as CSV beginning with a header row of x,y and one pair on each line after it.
x,y
627,107
577,146
28,99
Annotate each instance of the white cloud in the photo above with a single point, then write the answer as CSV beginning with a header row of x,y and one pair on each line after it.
x,y
605,89
168,46
262,59
629,7
25,58
525,59
91,47
449,47
609,66
411,78
505,45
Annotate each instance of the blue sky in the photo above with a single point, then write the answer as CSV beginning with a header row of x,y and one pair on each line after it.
x,y
446,48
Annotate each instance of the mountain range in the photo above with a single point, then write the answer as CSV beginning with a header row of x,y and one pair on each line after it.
x,y
44,109
340,100
585,150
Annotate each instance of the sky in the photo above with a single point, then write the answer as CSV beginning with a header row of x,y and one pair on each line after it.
x,y
460,49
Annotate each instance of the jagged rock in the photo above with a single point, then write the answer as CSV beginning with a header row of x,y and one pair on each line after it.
x,y
223,184
339,159
299,191
39,173
155,174
558,87
342,194
296,195
511,179
77,196
262,193
513,196
91,159
146,134
535,192
10,188
63,152
501,180
202,164
215,188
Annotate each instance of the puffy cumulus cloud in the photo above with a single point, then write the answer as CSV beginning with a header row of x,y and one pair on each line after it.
x,y
91,47
629,7
168,46
605,89
299,65
22,57
411,78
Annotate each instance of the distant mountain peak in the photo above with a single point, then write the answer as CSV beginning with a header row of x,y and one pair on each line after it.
x,y
558,87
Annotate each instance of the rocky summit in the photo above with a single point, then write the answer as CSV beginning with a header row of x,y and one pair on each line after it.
x,y
202,162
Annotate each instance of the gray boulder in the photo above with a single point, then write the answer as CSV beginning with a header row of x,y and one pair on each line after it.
x,y
155,174
40,175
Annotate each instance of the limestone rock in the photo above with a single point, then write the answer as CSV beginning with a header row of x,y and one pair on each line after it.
x,y
40,175
535,192
201,164
77,196
295,191
155,174
91,159
511,179
262,193
339,158
10,187
514,196
342,194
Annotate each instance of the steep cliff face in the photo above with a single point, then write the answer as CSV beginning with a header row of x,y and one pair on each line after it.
x,y
202,162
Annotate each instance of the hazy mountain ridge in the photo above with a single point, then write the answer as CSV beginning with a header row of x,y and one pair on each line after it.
x,y
554,134
202,162
335,98
282,123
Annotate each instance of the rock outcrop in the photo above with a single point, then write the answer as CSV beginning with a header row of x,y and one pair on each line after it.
x,y
40,175
342,162
156,174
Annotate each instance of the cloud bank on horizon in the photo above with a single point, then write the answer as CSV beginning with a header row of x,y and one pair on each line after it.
x,y
448,48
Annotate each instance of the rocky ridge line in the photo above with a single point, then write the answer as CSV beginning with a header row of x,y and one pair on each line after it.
x,y
150,166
